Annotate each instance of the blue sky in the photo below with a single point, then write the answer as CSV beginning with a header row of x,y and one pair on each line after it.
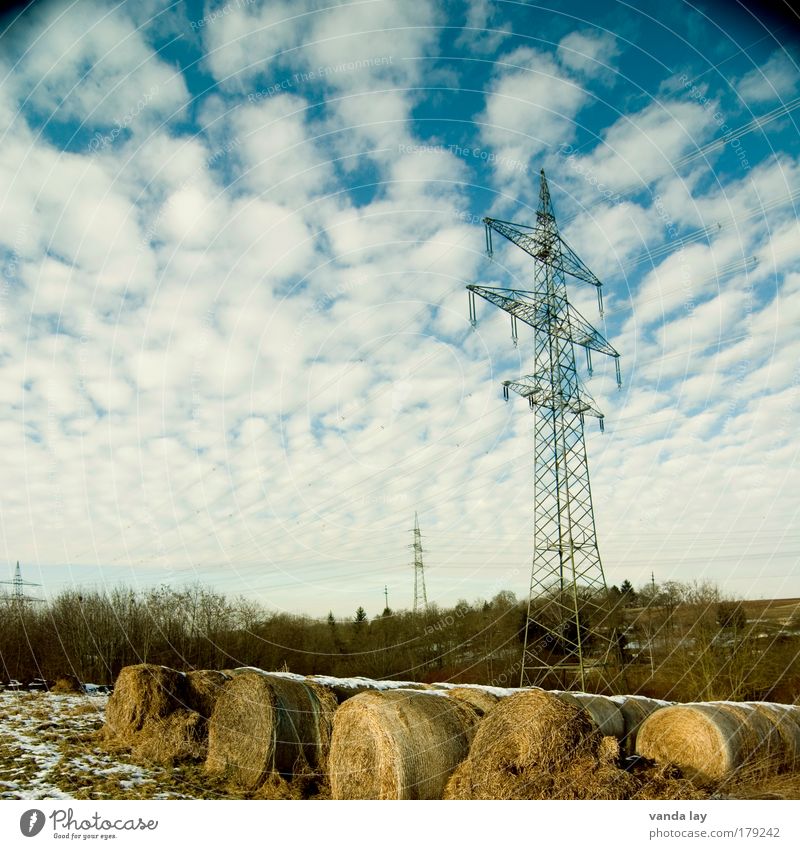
x,y
236,238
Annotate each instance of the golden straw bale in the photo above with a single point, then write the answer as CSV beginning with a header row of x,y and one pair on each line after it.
x,y
180,736
534,745
786,719
143,694
398,744
203,687
481,700
264,724
605,714
635,709
763,740
708,741
65,684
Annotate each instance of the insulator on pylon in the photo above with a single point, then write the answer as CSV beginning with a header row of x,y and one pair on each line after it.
x,y
602,426
530,401
472,320
619,373
589,362
505,390
514,334
489,250
600,300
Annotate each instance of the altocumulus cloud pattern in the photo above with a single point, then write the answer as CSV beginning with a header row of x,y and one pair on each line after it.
x,y
235,242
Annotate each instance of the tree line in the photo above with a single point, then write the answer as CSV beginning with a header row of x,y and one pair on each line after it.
x,y
678,641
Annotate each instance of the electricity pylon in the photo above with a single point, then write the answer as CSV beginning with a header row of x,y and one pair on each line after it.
x,y
420,595
566,631
18,596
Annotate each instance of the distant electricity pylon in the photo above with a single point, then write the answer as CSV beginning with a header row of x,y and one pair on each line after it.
x,y
420,595
18,596
566,629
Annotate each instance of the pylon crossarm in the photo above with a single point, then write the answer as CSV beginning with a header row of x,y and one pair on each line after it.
x,y
539,393
582,333
523,305
572,264
564,260
537,312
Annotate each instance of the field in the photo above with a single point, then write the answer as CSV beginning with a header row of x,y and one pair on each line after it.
x,y
51,748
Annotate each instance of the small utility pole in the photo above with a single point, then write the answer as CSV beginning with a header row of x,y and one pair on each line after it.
x,y
18,597
420,595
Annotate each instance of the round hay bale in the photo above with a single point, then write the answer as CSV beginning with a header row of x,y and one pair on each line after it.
x,y
534,745
480,700
203,687
634,710
707,741
181,736
786,720
66,684
605,714
398,744
143,694
763,740
265,724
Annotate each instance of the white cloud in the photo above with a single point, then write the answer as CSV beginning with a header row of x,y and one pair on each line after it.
x,y
245,41
532,107
87,62
385,41
257,363
484,30
278,152
642,146
588,52
344,49
777,79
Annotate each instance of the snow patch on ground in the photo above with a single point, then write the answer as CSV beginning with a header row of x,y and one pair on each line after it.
x,y
39,761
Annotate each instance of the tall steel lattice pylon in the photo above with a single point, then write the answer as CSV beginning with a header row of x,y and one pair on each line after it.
x,y
567,635
18,596
420,595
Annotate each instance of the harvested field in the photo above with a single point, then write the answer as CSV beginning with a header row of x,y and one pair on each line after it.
x,y
264,724
51,747
398,744
284,737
